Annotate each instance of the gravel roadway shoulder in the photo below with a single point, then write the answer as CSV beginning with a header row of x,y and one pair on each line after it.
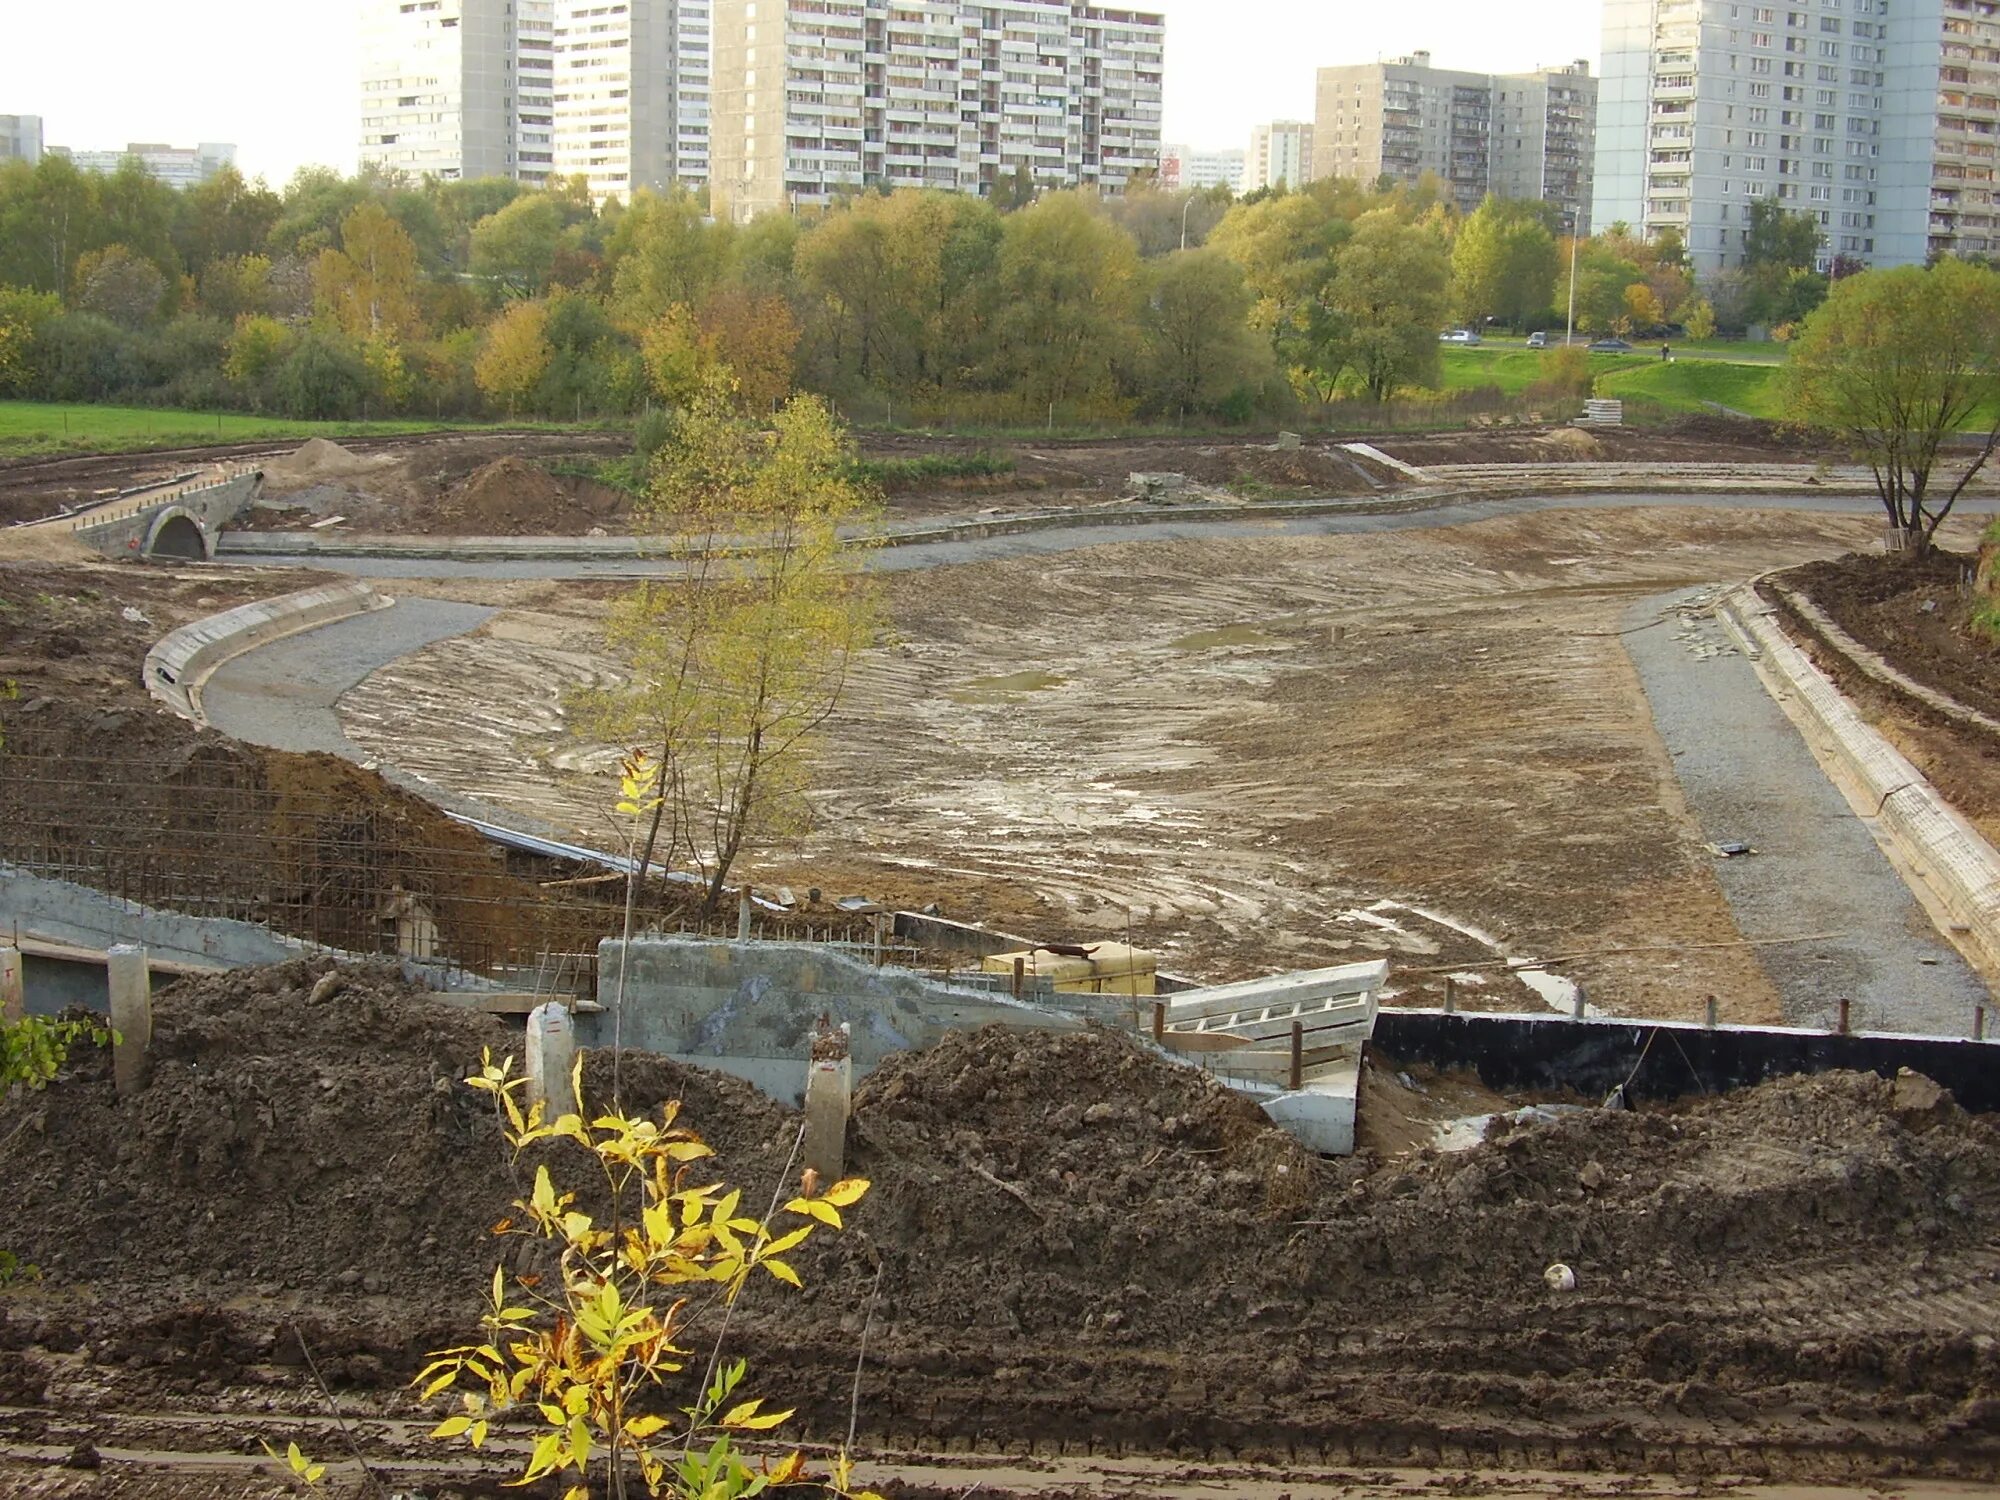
x,y
1748,777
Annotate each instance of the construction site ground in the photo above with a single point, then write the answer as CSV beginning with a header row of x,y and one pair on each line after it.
x,y
511,484
1074,1250
1249,753
1252,750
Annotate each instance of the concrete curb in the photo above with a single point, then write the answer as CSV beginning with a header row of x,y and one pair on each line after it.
x,y
182,660
1947,862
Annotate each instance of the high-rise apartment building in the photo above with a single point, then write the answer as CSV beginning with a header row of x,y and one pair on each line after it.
x,y
1189,167
534,90
176,166
615,90
1544,127
1880,118
614,94
812,97
21,138
1280,155
1403,118
1513,135
691,67
438,87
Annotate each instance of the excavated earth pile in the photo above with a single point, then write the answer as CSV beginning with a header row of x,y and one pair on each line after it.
x,y
1072,1244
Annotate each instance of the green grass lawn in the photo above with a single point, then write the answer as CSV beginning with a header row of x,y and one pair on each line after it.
x,y
31,428
1684,385
1687,385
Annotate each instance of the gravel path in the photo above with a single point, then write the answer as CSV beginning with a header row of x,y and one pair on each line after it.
x,y
1749,777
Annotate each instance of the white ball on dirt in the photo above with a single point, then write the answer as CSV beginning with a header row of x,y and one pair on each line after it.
x,y
1560,1278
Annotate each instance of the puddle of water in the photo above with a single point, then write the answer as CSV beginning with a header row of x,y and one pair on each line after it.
x,y
1228,635
1001,689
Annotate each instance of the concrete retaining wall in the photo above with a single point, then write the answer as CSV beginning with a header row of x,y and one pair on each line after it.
x,y
1958,869
1669,1059
182,660
209,507
750,1008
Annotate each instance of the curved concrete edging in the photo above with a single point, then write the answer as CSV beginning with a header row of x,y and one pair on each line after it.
x,y
1954,868
182,660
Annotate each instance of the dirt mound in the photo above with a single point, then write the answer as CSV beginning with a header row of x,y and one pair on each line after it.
x,y
320,1146
1914,612
318,461
1569,443
327,1146
1072,1238
512,497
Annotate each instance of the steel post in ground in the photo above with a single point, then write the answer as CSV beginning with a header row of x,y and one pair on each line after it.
x,y
1159,1020
1298,1068
1711,1008
1979,1023
1450,995
1020,976
1841,1025
743,916
131,986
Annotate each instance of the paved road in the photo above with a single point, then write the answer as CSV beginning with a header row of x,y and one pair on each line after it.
x,y
1749,777
1040,543
285,694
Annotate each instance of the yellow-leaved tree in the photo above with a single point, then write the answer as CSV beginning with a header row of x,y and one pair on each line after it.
x,y
516,356
596,1349
736,662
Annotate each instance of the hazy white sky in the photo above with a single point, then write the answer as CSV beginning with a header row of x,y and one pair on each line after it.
x,y
278,76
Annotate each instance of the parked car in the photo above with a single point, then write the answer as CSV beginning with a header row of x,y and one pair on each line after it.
x,y
1538,341
1611,346
1458,336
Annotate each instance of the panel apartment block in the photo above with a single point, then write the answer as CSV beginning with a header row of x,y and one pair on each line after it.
x,y
438,87
1280,154
1880,118
1544,138
21,138
1514,135
176,166
614,106
809,98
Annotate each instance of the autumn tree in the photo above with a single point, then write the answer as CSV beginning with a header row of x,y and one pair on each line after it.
x,y
369,285
664,253
114,283
754,336
736,663
1391,286
1894,364
899,290
1503,265
516,356
514,250
1286,247
1198,344
1067,284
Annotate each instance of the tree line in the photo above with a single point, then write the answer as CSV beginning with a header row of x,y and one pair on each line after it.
x,y
373,295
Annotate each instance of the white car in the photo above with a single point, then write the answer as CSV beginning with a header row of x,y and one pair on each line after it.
x,y
1458,336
